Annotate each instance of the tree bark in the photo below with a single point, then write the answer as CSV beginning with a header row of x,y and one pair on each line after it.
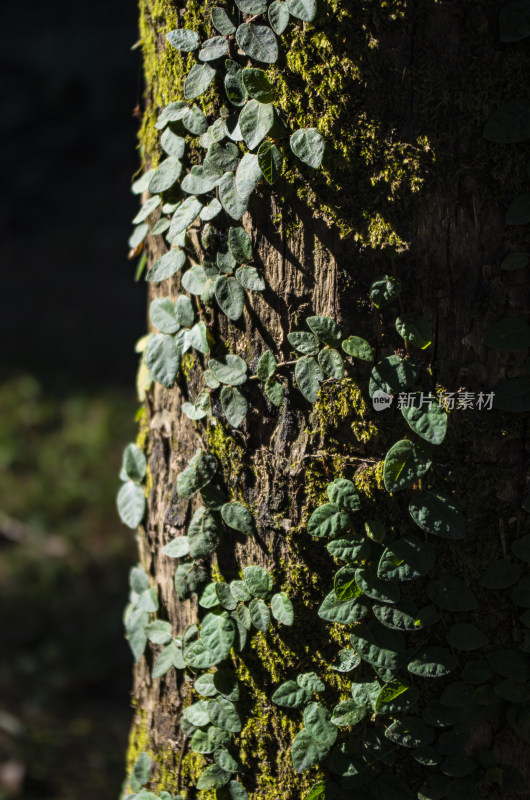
x,y
401,92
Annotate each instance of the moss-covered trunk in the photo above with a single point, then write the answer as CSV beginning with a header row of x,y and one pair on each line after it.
x,y
401,91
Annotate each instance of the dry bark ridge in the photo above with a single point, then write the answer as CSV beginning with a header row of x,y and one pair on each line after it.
x,y
435,75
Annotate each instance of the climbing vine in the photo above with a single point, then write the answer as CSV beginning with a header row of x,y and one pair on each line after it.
x,y
414,672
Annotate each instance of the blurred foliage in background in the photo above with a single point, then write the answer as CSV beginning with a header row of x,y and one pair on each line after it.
x,y
65,668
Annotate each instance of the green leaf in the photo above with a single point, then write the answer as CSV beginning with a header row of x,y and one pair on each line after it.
x,y
226,682
186,213
222,158
358,348
331,362
350,548
518,212
256,120
161,226
458,695
451,594
464,636
166,660
404,616
230,296
248,174
348,660
210,211
511,664
134,464
377,645
166,175
197,81
194,120
389,692
200,471
226,761
347,713
410,732
204,533
146,209
130,502
326,329
166,265
240,245
328,520
302,342
501,574
343,493
177,548
172,144
308,376
162,314
240,590
222,22
140,773
270,161
384,290
514,261
258,42
514,21
509,124
303,9
334,610
374,587
274,392
290,695
213,48
138,235
437,514
234,86
162,357
258,85
213,778
429,423
250,279
184,311
513,395
200,180
140,185
392,375
366,694
432,662
306,751
279,19
345,584
194,280
223,714
346,761
392,787
282,609
259,614
317,723
310,681
405,463
197,713
415,330
258,581
183,39
266,366
198,338
238,517
406,559
217,635
225,596
252,6
235,406
233,203
204,685
510,334
308,145
229,369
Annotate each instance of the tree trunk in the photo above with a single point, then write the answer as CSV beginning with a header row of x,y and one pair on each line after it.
x,y
410,188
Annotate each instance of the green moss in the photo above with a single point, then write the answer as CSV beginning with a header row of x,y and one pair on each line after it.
x,y
139,741
231,454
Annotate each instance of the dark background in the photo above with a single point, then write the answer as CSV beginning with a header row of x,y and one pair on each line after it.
x,y
70,314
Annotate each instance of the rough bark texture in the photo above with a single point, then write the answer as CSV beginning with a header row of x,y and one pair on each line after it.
x,y
401,91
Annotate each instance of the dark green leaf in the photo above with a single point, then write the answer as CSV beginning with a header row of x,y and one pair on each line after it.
x,y
229,369
259,614
415,330
258,581
204,533
406,559
166,265
308,145
141,772
405,463
240,245
235,406
349,548
347,661
501,574
233,203
238,517
200,472
250,279
303,9
266,366
410,732
326,329
213,777
134,465
248,174
162,357
328,520
290,695
344,613
282,609
256,120
347,713
166,175
308,377
306,751
430,423
514,261
186,213
183,39
177,548
384,290
278,17
302,342
222,22
345,584
198,80
343,493
464,636
258,85
230,296
437,514
270,161
213,48
358,348
451,594
374,587
392,375
258,42
162,314
274,392
331,362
